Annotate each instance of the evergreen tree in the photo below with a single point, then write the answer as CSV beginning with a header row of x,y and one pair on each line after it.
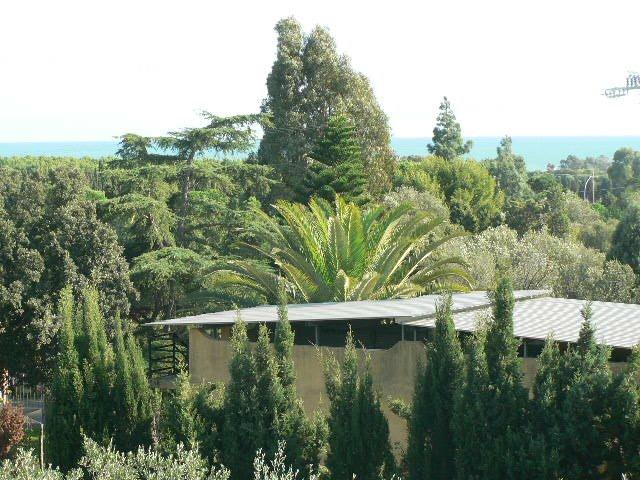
x,y
585,381
358,430
240,442
571,392
547,390
507,399
143,395
63,438
131,393
269,395
99,390
431,447
509,170
623,425
447,135
337,165
178,422
470,423
625,244
96,358
309,81
304,440
123,393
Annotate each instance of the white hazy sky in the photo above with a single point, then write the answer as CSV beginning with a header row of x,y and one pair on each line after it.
x,y
90,70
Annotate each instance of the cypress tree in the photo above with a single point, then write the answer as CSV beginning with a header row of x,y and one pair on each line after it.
x,y
96,357
358,430
470,422
143,394
123,393
178,423
507,400
63,438
303,439
131,393
431,448
269,395
544,415
240,442
623,425
585,380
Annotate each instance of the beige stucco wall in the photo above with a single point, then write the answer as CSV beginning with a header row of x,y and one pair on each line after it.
x,y
393,372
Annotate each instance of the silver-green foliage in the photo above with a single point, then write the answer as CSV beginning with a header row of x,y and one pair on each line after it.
x,y
105,463
538,260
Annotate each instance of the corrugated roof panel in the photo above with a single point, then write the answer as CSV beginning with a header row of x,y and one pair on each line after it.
x,y
616,324
536,315
400,309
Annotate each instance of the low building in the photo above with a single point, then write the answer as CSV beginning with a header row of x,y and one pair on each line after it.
x,y
393,333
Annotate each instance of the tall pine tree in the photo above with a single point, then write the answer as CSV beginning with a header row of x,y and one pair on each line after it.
x,y
337,166
447,135
431,446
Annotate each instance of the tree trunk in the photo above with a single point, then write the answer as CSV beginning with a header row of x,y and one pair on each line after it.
x,y
4,384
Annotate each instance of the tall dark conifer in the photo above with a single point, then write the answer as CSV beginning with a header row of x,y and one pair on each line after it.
x,y
447,135
586,380
63,439
304,439
431,449
623,425
337,166
240,440
358,430
470,423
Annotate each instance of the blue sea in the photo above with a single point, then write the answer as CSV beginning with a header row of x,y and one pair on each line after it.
x,y
537,151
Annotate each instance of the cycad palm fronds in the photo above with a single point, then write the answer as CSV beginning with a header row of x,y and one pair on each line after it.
x,y
341,253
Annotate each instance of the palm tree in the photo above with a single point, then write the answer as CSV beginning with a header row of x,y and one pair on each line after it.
x,y
342,253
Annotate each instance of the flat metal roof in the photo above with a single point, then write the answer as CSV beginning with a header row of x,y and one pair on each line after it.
x,y
616,324
402,310
536,315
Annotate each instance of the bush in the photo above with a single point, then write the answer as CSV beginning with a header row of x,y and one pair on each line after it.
x,y
11,429
538,260
106,463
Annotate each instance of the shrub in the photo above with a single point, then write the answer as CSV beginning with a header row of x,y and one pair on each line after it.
x,y
11,428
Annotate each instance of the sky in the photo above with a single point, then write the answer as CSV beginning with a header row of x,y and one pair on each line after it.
x,y
91,70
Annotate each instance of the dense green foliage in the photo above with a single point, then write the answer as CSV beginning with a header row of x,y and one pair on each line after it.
x,y
343,253
99,389
431,450
447,135
261,406
358,430
309,81
323,211
337,166
467,188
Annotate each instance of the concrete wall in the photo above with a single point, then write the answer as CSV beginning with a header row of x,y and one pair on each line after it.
x,y
393,372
